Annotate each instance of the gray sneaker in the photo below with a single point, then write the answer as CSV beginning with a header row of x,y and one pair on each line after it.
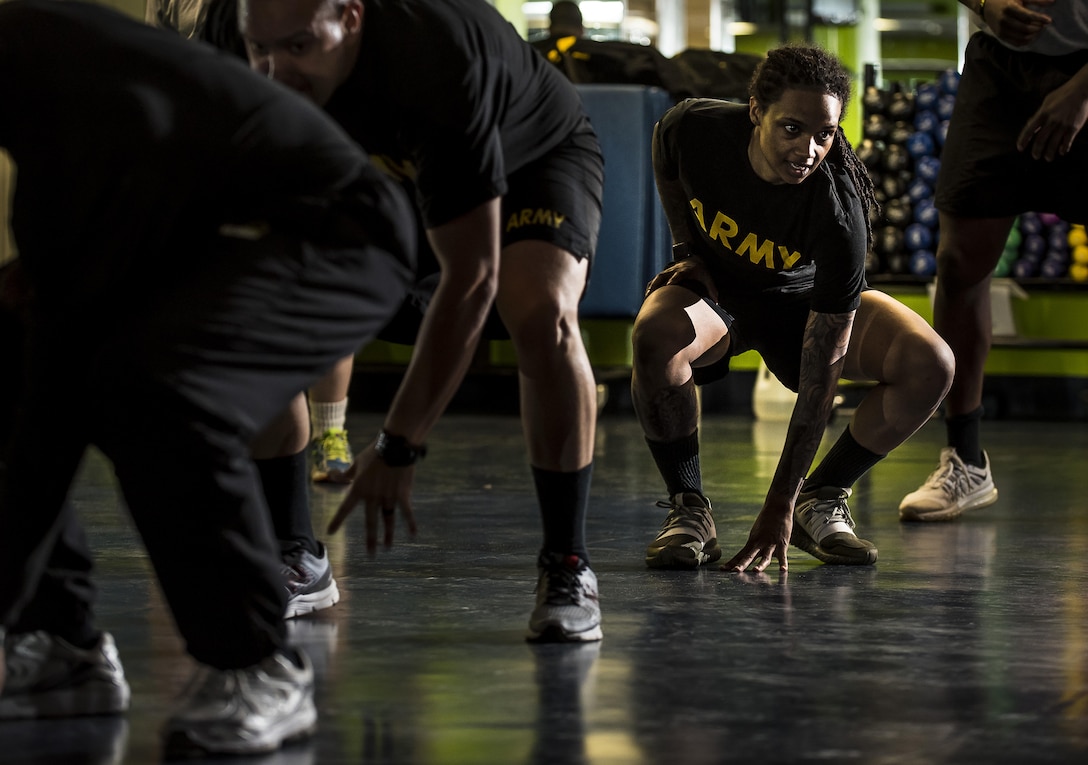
x,y
49,677
951,489
308,577
823,528
244,711
688,538
568,608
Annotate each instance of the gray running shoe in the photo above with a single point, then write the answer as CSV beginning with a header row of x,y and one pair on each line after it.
x,y
244,711
687,538
823,528
568,609
49,677
308,577
952,488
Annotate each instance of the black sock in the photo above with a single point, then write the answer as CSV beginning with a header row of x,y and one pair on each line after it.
x,y
564,502
964,435
678,463
286,485
843,465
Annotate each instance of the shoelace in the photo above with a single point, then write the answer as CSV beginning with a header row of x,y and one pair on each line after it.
x,y
833,510
950,479
564,585
684,516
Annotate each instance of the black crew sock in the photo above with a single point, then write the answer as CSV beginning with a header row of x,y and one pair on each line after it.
x,y
964,436
564,502
843,465
678,463
286,485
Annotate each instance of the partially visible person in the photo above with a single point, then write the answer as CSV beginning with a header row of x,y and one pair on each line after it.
x,y
586,61
224,244
768,206
565,20
322,424
221,29
508,178
309,442
186,17
1014,145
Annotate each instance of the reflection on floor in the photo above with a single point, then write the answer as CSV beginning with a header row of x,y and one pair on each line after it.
x,y
966,643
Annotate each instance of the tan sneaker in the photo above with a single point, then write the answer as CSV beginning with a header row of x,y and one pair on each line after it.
x,y
687,538
952,488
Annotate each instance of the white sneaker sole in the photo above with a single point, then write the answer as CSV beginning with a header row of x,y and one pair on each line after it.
x,y
984,499
314,601
89,699
338,477
689,555
556,634
188,742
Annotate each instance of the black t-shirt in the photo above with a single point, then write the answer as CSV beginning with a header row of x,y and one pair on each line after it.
x,y
447,94
131,142
763,241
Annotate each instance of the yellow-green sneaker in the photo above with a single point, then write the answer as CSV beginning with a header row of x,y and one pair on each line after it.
x,y
331,457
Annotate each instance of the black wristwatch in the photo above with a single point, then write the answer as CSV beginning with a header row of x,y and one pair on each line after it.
x,y
395,451
680,250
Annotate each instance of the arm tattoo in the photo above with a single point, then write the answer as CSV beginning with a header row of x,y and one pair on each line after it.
x,y
823,353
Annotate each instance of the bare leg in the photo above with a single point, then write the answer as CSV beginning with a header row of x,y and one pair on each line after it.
x,y
288,434
539,291
968,251
911,365
673,332
334,385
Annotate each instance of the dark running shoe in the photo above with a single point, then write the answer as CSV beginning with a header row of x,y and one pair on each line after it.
x,y
687,538
823,528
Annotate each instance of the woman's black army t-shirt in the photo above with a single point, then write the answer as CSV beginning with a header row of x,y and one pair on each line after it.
x,y
762,241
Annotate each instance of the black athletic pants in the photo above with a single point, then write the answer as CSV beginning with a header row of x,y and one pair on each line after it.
x,y
190,363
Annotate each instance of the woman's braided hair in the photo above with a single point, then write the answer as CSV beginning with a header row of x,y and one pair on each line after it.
x,y
808,67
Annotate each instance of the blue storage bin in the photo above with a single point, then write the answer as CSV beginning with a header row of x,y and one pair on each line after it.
x,y
634,239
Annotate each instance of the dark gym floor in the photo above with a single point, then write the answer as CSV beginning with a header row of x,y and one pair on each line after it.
x,y
966,643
